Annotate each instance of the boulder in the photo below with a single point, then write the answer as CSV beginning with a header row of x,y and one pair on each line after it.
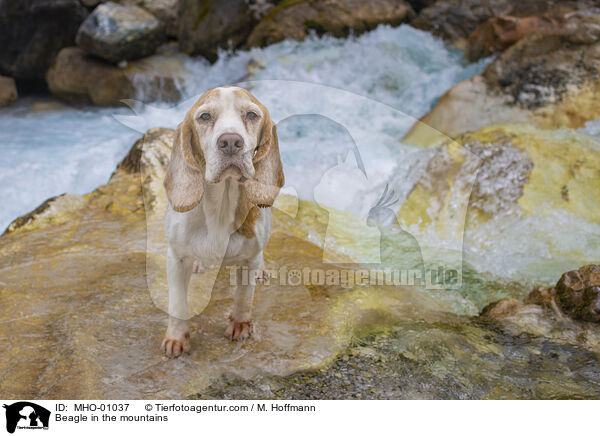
x,y
115,32
206,26
548,78
80,78
164,10
8,91
295,19
505,169
578,293
32,33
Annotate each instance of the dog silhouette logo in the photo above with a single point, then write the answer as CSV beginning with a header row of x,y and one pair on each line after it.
x,y
26,415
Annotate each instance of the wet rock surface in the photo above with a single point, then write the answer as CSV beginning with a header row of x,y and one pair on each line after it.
x,y
295,19
447,359
32,33
115,33
81,322
79,78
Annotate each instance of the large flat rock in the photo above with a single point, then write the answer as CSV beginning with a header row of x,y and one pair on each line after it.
x,y
77,319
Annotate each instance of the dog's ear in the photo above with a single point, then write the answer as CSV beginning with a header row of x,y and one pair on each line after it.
x,y
268,178
184,181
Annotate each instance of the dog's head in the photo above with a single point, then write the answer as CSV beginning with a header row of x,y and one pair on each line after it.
x,y
227,133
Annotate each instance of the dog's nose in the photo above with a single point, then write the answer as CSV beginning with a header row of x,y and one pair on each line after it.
x,y
230,143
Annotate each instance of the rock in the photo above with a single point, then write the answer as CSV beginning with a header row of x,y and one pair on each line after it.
x,y
165,10
578,293
295,19
53,211
79,78
526,319
504,169
501,309
455,20
83,324
32,33
499,33
548,78
555,312
205,26
8,91
114,32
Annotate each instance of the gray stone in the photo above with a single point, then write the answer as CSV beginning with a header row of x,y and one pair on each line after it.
x,y
114,32
164,10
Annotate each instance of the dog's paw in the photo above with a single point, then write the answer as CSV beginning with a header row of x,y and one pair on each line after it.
x,y
238,331
175,347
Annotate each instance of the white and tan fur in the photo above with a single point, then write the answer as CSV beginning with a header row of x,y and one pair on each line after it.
x,y
219,202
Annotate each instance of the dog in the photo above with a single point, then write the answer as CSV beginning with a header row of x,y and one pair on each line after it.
x,y
223,177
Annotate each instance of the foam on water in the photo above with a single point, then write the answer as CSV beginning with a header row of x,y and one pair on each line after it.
x,y
50,152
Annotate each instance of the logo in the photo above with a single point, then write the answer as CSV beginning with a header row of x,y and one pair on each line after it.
x,y
26,415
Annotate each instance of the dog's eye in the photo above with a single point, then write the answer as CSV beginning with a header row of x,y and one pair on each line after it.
x,y
251,116
205,116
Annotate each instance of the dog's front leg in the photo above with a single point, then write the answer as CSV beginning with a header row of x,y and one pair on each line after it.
x,y
240,320
177,338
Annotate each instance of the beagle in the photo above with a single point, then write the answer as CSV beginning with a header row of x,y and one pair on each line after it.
x,y
224,174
